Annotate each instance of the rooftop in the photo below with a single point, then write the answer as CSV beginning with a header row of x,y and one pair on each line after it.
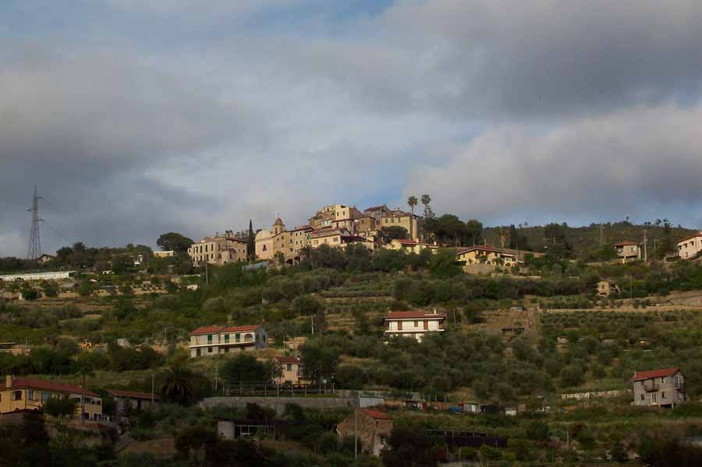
x,y
414,315
131,394
662,373
50,386
375,414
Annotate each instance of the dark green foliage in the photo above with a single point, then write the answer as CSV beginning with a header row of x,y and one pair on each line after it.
x,y
181,385
394,232
60,407
173,241
668,452
409,446
537,431
306,305
320,361
246,369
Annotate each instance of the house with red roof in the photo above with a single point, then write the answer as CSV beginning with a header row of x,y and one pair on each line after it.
x,y
21,394
690,247
415,324
659,388
371,426
628,250
215,340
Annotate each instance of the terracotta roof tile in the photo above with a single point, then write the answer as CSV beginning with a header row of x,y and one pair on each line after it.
x,y
51,386
414,315
241,328
376,414
662,373
131,394
206,330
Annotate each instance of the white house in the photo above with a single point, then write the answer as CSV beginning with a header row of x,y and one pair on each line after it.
x,y
413,323
214,340
690,247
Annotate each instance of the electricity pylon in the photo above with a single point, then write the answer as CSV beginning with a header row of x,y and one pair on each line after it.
x,y
34,248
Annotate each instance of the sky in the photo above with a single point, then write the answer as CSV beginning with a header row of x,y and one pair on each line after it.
x,y
139,117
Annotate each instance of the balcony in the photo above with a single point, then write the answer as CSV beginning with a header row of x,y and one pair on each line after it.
x,y
650,386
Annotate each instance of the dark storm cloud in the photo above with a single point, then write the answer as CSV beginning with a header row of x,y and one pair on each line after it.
x,y
83,127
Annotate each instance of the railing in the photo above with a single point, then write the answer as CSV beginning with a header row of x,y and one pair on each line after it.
x,y
651,387
276,390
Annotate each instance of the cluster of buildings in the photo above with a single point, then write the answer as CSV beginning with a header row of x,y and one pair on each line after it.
x,y
18,395
336,225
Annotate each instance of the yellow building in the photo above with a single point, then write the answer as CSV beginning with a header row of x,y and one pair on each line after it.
x,y
288,243
410,246
386,217
18,394
485,258
336,216
338,238
290,370
220,249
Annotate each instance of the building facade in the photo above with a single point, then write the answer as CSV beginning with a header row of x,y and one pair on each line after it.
x,y
208,341
287,244
690,247
628,251
336,216
489,255
372,427
18,394
410,246
126,400
415,324
290,370
219,250
659,388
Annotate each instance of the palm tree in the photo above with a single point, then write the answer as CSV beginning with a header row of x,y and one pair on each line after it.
x,y
412,202
177,384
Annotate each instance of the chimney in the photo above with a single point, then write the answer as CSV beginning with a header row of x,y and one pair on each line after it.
x,y
8,381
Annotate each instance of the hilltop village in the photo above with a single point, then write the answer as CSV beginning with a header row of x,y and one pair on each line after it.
x,y
364,337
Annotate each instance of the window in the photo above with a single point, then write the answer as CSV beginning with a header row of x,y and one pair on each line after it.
x,y
653,397
30,394
16,395
237,337
209,338
288,367
209,349
399,325
226,338
662,395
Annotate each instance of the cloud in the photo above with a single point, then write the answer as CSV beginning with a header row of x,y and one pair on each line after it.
x,y
198,119
615,165
80,126
499,60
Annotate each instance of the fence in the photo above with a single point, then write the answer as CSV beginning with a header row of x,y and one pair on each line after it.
x,y
278,390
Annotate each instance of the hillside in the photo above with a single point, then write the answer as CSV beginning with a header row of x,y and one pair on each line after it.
x,y
588,238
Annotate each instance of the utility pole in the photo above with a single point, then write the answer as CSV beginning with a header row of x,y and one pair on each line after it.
x,y
153,387
34,247
355,431
645,250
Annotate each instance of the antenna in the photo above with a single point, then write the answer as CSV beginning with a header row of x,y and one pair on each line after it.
x,y
34,248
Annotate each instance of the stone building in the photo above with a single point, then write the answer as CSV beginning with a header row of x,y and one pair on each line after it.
x,y
372,427
659,388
